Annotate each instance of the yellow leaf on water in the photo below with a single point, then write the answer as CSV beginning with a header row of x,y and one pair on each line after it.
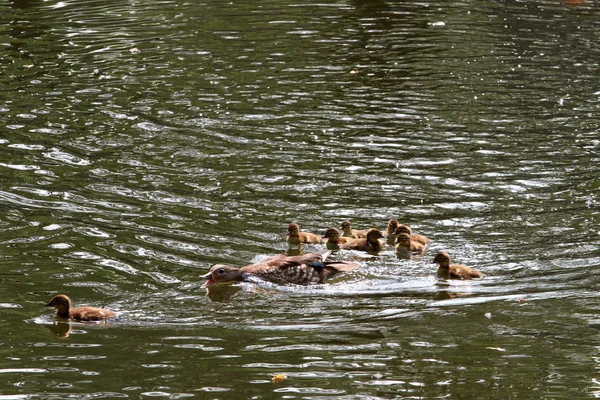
x,y
278,378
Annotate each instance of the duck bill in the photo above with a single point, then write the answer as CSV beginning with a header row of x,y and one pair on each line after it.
x,y
209,279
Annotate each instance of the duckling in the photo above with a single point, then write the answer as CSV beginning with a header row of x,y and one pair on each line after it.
x,y
405,246
62,303
302,270
334,239
390,232
371,243
352,233
415,237
454,271
295,237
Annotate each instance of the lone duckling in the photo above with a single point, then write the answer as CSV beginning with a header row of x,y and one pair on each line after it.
x,y
305,269
352,233
334,238
405,246
390,232
295,237
413,236
62,303
371,243
454,271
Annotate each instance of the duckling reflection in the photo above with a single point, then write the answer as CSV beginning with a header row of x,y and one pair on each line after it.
x,y
305,269
60,329
296,237
454,271
334,238
415,237
352,233
371,243
405,247
62,303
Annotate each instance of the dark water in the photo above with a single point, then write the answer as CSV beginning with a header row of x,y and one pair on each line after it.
x,y
143,142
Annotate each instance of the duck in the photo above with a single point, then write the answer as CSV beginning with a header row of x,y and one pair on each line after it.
x,y
295,237
371,243
454,271
405,246
390,232
352,233
305,269
62,303
400,228
334,238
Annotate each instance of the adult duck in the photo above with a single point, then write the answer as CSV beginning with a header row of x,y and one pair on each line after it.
x,y
454,271
304,269
62,303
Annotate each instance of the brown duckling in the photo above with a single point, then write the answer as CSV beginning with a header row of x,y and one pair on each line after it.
x,y
295,237
415,237
302,270
62,303
352,233
405,246
334,238
371,243
390,232
454,271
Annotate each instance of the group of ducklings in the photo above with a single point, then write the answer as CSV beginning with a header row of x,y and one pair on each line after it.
x,y
306,268
398,235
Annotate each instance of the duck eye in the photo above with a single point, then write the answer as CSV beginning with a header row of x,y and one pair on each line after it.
x,y
221,271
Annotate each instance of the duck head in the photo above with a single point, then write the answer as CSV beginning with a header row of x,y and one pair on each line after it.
x,y
293,229
374,234
61,302
403,241
222,273
332,233
403,229
442,259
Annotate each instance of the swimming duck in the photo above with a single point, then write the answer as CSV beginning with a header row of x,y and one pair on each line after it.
x,y
352,233
454,271
390,232
371,243
62,303
302,270
295,237
334,239
415,237
404,241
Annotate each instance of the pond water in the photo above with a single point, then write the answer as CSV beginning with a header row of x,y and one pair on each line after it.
x,y
142,142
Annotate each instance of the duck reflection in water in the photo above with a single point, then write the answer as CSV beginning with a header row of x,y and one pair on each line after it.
x,y
62,303
303,269
60,329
